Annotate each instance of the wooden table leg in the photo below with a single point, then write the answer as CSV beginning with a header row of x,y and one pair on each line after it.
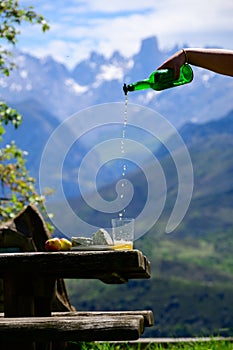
x,y
18,296
44,292
18,301
26,296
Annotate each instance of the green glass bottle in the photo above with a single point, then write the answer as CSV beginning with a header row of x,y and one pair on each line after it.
x,y
162,79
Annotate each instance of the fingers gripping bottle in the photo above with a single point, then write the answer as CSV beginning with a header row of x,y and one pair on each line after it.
x,y
162,79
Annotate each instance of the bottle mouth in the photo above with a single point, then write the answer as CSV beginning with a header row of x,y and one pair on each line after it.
x,y
125,89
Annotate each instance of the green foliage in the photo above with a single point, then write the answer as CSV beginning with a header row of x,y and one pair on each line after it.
x,y
8,114
11,17
17,186
194,345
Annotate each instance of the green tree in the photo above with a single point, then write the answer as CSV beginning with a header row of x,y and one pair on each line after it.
x,y
12,15
17,186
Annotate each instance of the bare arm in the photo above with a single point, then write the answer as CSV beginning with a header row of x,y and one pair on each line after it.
x,y
217,60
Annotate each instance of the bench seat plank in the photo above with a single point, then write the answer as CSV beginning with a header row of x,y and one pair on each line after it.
x,y
63,328
147,314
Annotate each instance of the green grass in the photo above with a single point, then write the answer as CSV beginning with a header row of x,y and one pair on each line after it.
x,y
202,345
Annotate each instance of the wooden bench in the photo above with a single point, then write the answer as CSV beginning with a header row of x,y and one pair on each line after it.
x,y
76,326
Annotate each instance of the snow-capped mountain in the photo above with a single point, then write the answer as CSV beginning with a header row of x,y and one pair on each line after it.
x,y
99,80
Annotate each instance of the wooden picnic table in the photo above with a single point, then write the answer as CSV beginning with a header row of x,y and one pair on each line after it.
x,y
29,282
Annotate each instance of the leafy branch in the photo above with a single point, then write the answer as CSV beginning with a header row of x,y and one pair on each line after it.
x,y
17,187
11,17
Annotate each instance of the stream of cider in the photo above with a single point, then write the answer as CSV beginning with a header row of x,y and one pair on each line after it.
x,y
122,213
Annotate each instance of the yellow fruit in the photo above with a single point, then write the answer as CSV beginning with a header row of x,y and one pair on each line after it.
x,y
53,245
65,244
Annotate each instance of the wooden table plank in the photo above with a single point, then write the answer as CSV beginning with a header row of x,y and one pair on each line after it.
x,y
72,264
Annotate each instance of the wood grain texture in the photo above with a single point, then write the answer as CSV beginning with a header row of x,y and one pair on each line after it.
x,y
99,264
82,328
147,314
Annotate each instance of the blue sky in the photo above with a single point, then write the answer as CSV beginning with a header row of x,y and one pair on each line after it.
x,y
79,27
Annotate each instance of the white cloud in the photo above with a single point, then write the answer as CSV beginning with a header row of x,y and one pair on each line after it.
x,y
110,72
66,52
106,26
76,88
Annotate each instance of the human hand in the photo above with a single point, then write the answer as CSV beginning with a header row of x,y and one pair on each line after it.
x,y
175,62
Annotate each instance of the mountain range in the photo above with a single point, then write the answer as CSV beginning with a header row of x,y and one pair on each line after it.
x,y
98,80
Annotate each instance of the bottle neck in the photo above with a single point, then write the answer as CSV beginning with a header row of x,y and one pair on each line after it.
x,y
140,85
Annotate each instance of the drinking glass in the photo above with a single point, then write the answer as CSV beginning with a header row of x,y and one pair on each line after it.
x,y
123,233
